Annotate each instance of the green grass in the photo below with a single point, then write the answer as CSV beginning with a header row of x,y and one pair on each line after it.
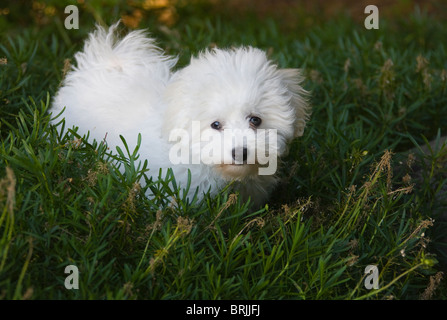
x,y
342,203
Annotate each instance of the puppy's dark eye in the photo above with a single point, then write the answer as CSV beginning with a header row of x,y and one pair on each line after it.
x,y
216,125
255,121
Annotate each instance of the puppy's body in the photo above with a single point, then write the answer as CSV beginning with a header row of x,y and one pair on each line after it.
x,y
126,86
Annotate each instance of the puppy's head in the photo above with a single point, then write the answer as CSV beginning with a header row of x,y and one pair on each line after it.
x,y
234,110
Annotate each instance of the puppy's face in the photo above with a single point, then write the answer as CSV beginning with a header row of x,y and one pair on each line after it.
x,y
235,111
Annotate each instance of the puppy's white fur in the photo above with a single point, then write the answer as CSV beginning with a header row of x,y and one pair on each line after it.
x,y
127,86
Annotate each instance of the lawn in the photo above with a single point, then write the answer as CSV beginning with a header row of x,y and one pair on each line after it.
x,y
356,189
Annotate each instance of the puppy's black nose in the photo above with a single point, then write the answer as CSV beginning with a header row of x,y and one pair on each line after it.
x,y
239,154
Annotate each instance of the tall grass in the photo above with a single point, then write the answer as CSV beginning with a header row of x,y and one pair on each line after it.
x,y
351,195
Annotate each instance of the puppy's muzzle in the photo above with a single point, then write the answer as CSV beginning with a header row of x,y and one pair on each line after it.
x,y
239,155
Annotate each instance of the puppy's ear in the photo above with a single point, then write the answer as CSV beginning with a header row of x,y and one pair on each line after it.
x,y
292,80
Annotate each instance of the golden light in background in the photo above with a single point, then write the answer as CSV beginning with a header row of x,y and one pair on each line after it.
x,y
41,12
156,4
164,9
50,11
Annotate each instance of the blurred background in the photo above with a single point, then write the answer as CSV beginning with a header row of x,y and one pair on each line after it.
x,y
290,14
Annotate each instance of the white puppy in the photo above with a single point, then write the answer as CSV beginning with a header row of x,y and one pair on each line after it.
x,y
225,117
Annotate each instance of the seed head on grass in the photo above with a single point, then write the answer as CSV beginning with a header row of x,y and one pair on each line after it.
x,y
352,260
406,179
316,76
258,221
76,143
157,259
422,68
92,174
301,205
422,226
127,288
443,75
92,177
347,65
411,159
386,78
28,293
183,228
378,46
432,286
133,192
360,85
8,189
66,68
158,222
383,165
184,225
232,198
422,64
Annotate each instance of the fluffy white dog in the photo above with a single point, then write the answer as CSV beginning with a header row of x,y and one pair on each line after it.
x,y
225,117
